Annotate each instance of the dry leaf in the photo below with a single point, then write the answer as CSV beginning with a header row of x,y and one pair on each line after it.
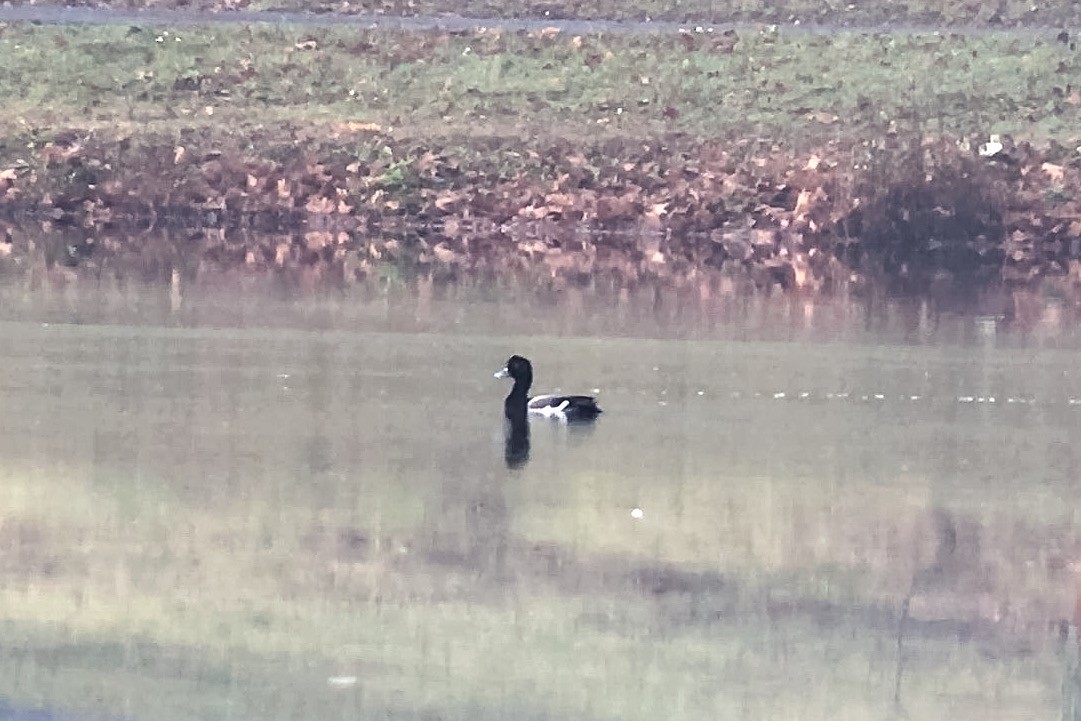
x,y
447,199
319,205
1053,171
657,210
354,126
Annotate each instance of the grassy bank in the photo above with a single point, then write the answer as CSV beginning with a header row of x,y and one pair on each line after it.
x,y
797,160
789,89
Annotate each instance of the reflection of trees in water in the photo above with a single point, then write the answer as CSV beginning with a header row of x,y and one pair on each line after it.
x,y
209,266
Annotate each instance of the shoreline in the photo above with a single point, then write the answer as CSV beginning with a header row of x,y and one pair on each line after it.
x,y
754,157
808,222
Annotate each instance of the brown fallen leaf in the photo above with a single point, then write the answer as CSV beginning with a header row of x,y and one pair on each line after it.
x,y
356,126
1053,171
447,200
320,205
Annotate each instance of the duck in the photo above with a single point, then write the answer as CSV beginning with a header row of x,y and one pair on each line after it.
x,y
519,404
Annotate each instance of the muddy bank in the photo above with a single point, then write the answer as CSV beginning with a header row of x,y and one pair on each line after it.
x,y
905,213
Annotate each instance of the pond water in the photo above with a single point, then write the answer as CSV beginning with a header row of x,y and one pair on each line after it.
x,y
245,505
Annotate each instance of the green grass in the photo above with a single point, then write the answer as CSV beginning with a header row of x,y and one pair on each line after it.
x,y
334,83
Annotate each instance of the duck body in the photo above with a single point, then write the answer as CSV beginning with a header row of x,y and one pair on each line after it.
x,y
571,408
519,404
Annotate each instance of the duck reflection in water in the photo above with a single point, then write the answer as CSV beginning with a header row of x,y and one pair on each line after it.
x,y
516,443
518,405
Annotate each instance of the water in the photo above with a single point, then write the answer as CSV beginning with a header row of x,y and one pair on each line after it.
x,y
247,505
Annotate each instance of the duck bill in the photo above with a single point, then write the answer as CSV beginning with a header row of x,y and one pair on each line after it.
x,y
503,373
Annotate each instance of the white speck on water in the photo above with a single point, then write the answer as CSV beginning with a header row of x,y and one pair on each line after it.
x,y
879,396
701,393
595,390
283,376
965,399
778,395
662,403
805,394
656,368
342,681
913,398
637,513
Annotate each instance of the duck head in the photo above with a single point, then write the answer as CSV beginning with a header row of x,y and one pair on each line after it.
x,y
518,368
